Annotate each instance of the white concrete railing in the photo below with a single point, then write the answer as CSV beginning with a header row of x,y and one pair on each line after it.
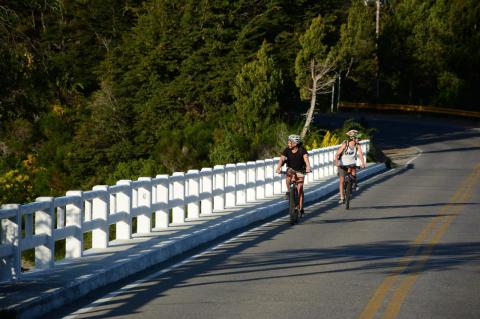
x,y
165,199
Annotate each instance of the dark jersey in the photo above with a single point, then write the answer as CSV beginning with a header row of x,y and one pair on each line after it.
x,y
295,160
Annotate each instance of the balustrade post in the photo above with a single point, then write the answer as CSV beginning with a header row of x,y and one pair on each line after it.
x,y
144,199
45,254
124,205
260,179
251,182
10,236
313,166
230,183
161,199
178,212
334,166
206,191
269,175
323,163
241,183
193,208
331,161
100,235
74,217
277,179
219,189
308,177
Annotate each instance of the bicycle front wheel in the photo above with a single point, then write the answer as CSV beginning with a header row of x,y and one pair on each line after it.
x,y
297,201
291,205
348,192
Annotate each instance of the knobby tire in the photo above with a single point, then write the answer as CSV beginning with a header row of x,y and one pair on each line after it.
x,y
291,205
297,200
348,192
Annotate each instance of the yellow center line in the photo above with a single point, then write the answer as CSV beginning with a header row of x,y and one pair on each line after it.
x,y
402,292
377,299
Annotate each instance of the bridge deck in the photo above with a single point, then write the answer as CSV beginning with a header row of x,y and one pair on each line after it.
x,y
38,292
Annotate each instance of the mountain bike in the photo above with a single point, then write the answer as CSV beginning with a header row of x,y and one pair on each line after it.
x,y
293,197
348,181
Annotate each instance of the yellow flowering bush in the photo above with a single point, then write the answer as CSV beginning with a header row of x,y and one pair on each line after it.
x,y
15,187
330,139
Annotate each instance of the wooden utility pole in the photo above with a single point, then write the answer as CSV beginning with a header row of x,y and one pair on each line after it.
x,y
377,36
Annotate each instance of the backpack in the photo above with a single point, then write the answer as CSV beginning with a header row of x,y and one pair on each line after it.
x,y
355,147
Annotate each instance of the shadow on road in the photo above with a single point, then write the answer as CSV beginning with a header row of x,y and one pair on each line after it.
x,y
226,265
411,206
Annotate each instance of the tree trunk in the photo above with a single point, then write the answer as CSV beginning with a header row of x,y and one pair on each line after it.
x,y
313,101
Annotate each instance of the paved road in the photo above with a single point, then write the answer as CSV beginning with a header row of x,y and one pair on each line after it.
x,y
409,248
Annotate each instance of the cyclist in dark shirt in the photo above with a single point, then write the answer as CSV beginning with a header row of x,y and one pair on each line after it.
x,y
296,157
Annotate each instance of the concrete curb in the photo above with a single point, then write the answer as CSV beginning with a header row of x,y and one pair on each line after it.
x,y
81,286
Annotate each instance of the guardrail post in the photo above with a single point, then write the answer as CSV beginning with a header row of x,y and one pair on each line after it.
x,y
269,175
161,199
314,164
144,199
260,180
219,188
193,208
277,179
206,191
100,235
44,254
230,183
74,217
178,212
331,160
326,162
124,204
251,185
241,183
308,177
10,236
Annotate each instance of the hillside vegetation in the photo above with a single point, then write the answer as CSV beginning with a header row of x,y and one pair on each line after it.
x,y
100,90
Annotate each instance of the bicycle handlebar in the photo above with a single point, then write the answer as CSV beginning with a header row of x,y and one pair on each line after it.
x,y
349,166
293,172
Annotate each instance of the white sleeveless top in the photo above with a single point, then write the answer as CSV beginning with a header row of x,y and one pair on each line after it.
x,y
349,155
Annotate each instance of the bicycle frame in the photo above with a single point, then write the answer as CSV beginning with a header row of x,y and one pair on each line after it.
x,y
348,184
294,198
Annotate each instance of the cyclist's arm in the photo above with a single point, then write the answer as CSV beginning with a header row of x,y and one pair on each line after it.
x,y
280,163
307,163
360,154
337,156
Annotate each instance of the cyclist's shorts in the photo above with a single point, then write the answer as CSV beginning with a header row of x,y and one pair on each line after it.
x,y
342,171
300,175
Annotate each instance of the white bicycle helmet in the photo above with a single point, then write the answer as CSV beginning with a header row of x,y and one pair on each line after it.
x,y
295,138
352,134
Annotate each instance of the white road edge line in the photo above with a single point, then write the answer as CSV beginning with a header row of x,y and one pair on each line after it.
x,y
420,152
112,294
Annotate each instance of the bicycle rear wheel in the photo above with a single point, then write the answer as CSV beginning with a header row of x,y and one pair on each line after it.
x,y
297,200
348,192
291,205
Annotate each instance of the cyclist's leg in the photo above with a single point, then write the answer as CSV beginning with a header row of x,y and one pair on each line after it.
x,y
300,195
287,182
341,178
300,192
354,177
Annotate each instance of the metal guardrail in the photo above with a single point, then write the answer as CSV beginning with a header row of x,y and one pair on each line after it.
x,y
410,108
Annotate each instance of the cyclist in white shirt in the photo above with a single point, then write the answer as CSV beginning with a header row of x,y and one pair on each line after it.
x,y
347,154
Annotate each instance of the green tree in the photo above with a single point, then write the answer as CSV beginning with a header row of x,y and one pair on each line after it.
x,y
256,90
357,50
315,65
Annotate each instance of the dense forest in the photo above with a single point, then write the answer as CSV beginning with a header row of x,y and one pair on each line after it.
x,y
93,91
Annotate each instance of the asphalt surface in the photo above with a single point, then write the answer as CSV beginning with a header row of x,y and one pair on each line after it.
x,y
408,248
